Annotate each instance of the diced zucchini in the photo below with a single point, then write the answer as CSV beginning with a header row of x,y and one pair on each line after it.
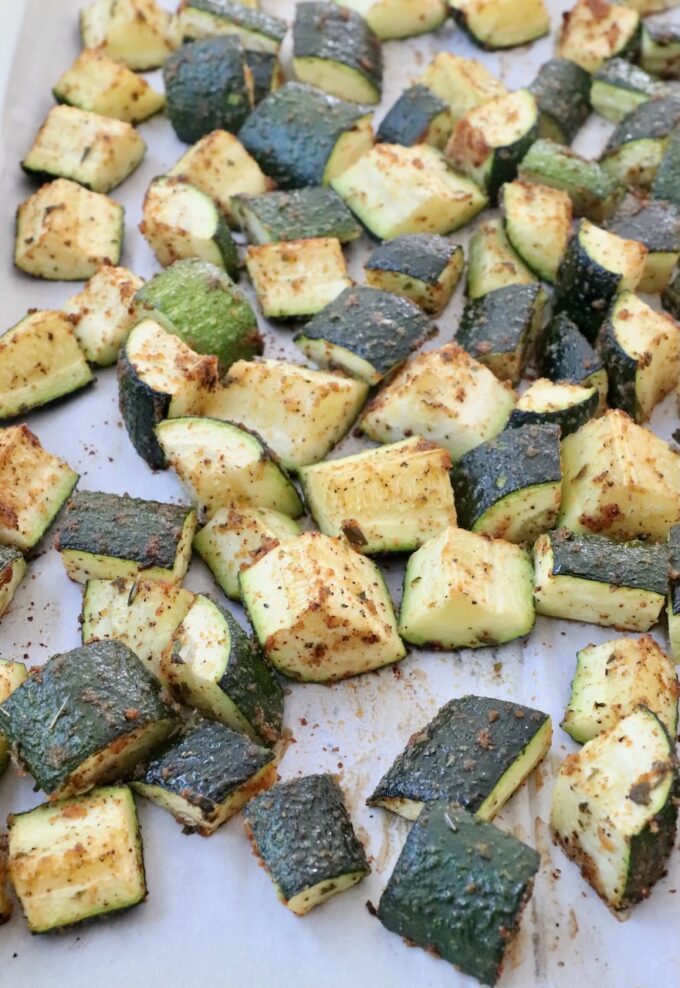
x,y
562,92
494,24
618,88
212,18
665,184
97,83
138,33
660,50
266,73
310,212
107,536
419,116
538,224
563,404
565,355
40,361
593,192
424,268
12,572
104,312
673,607
296,279
492,261
401,18
593,32
471,405
463,83
320,610
636,146
463,590
656,225
12,675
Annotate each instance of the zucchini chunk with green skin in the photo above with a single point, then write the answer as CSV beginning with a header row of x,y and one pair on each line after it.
x,y
401,18
419,116
77,858
510,487
205,309
566,405
103,313
592,33
12,572
612,679
538,224
295,215
396,190
65,232
106,536
593,192
235,538
266,73
34,484
614,809
463,590
492,261
673,607
471,407
500,328
660,50
222,464
160,377
86,717
613,471
665,184
12,675
302,833
364,332
297,278
656,225
138,33
562,92
459,889
302,136
565,355
636,146
213,18
590,578
476,752
40,361
424,268
97,152
641,350
320,610
618,88
300,413
207,776
336,50
389,499
463,83
99,84
501,23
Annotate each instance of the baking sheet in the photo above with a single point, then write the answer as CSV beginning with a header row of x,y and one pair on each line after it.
x,y
212,915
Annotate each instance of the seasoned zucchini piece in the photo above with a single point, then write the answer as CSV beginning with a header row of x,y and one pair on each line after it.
x,y
302,136
211,18
459,889
566,405
657,226
538,224
34,484
205,309
510,487
77,858
300,413
365,332
562,92
501,23
612,679
424,268
320,610
673,606
614,471
463,83
618,88
40,361
640,349
12,675
590,578
594,32
565,355
401,18
235,538
97,83
65,232
419,116
211,664
593,192
138,33
222,463
302,833
476,752
106,536
207,776
266,73
389,499
500,328
86,717
297,278
336,50
665,184
471,404
660,50
295,215
635,149
104,312
463,590
614,810
12,572
160,377
492,261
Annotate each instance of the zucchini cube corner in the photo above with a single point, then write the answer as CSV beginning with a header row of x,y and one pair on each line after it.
x,y
298,278
103,313
98,83
424,268
591,35
138,33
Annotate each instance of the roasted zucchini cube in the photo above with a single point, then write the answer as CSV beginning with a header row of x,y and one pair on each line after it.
x,y
302,833
673,607
320,610
104,312
65,232
77,858
86,717
424,268
618,88
401,18
476,752
311,212
212,18
459,889
389,499
562,92
614,809
419,116
12,675
636,146
296,279
591,578
106,536
12,572
463,83
493,262
656,225
463,590
660,49
592,33
545,402
501,23
593,191
97,83
138,33
564,354
538,224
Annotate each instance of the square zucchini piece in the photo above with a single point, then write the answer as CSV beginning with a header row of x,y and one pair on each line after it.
x,y
98,83
463,590
463,83
637,146
86,717
593,191
424,268
321,611
614,808
296,279
302,833
476,752
207,776
619,87
563,404
562,91
538,224
459,889
12,675
77,858
138,33
657,226
104,312
419,116
493,262
389,499
213,18
295,215
395,190
565,355
401,18
594,32
501,23
34,484
12,572
106,536
590,578
443,395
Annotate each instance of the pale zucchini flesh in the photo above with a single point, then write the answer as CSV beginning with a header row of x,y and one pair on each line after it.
x,y
104,312
296,279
